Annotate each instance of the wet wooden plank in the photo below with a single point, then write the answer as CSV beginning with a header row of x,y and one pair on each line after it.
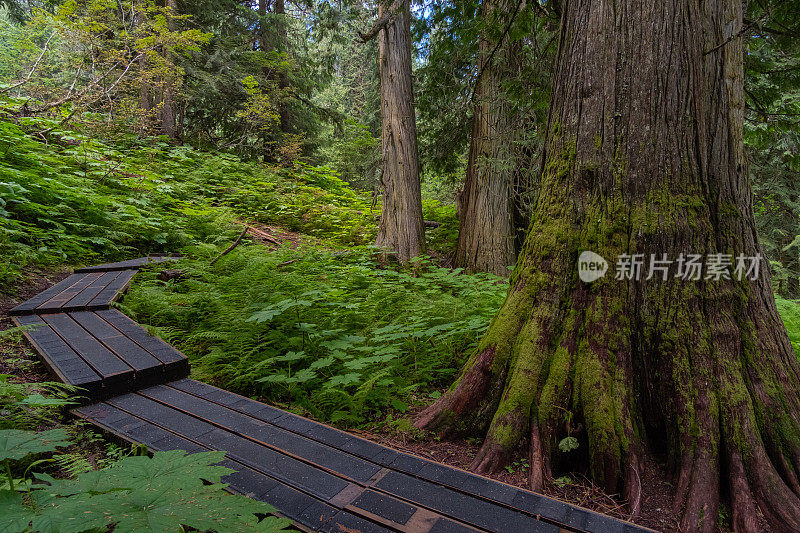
x,y
112,291
384,506
59,357
176,365
84,297
29,306
293,504
344,522
535,504
55,303
130,264
147,369
277,438
285,468
117,375
463,507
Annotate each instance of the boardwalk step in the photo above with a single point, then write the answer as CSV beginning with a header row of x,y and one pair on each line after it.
x,y
130,264
105,353
87,291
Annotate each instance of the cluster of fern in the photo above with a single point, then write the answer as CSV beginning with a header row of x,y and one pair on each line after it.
x,y
66,197
328,332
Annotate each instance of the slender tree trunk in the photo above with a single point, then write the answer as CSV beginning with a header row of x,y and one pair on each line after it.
x,y
644,156
168,111
486,237
401,227
283,79
145,98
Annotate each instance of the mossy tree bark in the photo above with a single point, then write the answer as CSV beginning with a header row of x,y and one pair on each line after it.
x,y
401,226
644,156
486,236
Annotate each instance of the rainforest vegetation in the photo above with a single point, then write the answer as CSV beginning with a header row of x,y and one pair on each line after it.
x,y
380,209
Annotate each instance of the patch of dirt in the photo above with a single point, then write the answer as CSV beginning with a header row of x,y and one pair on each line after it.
x,y
36,280
274,235
574,488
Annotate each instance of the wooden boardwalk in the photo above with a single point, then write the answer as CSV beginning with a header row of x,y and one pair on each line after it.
x,y
322,478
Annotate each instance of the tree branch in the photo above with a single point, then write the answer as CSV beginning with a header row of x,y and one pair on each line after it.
x,y
384,20
33,68
232,246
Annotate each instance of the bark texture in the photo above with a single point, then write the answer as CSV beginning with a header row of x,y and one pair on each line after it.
x,y
644,156
401,228
486,236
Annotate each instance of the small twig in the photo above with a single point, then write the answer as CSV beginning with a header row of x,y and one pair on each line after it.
x,y
289,262
232,246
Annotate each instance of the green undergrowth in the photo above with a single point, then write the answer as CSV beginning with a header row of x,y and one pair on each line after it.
x,y
790,313
69,198
327,332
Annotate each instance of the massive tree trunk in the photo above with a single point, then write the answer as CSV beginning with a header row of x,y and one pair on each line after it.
x,y
401,227
486,235
644,156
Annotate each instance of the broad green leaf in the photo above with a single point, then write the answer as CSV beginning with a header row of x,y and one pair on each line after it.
x,y
16,444
14,514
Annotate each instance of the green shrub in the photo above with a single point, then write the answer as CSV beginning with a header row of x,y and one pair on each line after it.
x,y
327,331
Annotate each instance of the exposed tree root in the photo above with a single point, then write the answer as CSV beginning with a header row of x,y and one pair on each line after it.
x,y
572,365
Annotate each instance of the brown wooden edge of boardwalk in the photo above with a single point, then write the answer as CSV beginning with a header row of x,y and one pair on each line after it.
x,y
384,490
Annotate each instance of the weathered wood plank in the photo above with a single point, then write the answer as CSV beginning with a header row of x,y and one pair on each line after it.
x,y
176,365
117,375
147,369
54,304
130,264
59,357
466,508
29,306
277,438
311,512
531,503
112,291
84,297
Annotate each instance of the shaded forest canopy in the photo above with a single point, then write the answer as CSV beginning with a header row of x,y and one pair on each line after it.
x,y
417,180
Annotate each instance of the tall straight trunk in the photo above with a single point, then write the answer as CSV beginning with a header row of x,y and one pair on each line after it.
x,y
145,97
168,112
644,155
159,100
486,236
401,227
272,37
283,79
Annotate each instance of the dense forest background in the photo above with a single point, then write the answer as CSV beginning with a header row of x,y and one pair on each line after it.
x,y
132,127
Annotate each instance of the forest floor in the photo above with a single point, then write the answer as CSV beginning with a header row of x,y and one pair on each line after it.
x,y
17,359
